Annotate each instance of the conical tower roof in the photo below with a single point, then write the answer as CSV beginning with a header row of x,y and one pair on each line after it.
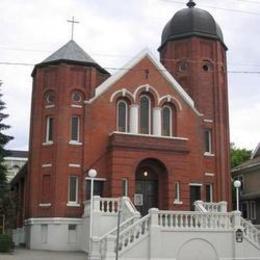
x,y
71,53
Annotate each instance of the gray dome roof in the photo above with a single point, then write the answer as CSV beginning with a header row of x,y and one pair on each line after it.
x,y
189,22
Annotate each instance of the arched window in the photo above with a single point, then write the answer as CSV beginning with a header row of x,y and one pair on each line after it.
x,y
166,121
122,116
145,115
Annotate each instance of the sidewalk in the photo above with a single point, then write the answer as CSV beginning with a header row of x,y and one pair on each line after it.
x,y
26,254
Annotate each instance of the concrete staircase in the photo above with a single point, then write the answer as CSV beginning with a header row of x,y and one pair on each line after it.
x,y
207,233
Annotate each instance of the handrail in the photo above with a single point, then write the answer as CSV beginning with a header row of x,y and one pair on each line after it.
x,y
251,232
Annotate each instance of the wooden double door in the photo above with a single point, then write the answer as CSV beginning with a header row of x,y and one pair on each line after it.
x,y
146,195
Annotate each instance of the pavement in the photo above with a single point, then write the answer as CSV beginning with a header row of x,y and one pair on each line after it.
x,y
27,254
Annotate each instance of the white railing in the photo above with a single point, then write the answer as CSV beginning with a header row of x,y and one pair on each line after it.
x,y
107,205
251,232
133,233
210,206
187,220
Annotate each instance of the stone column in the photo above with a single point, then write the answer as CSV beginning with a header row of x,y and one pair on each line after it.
x,y
134,119
157,121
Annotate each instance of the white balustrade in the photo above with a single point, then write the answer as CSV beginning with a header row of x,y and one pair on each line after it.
x,y
210,206
109,205
184,220
251,232
134,232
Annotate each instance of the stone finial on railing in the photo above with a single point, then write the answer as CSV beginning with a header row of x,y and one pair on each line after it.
x,y
223,206
154,213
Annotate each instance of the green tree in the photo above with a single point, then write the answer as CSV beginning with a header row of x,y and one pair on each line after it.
x,y
5,202
238,155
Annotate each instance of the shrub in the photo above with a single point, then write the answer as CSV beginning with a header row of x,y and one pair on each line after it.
x,y
5,243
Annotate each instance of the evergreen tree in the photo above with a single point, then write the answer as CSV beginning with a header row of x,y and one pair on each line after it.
x,y
4,139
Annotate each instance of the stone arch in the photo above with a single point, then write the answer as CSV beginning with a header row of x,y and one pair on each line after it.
x,y
147,89
124,93
151,182
197,248
170,99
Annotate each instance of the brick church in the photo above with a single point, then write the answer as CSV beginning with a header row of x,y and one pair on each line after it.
x,y
155,131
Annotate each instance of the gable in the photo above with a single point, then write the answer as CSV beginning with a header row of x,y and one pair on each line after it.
x,y
132,65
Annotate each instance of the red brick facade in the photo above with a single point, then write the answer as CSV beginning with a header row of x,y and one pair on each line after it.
x,y
197,63
117,155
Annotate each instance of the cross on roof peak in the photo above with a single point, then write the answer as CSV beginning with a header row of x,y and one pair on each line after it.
x,y
72,21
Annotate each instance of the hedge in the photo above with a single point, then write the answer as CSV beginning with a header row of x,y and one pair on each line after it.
x,y
5,243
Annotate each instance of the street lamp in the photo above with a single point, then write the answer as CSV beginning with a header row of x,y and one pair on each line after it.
x,y
92,173
237,185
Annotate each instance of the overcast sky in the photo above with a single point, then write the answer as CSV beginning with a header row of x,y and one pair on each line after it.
x,y
112,32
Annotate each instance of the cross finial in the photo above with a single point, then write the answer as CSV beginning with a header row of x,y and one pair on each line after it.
x,y
191,4
72,21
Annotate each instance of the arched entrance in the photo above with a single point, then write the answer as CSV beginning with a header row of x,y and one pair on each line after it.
x,y
150,185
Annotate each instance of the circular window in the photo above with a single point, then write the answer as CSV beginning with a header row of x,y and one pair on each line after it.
x,y
207,67
183,66
49,98
76,97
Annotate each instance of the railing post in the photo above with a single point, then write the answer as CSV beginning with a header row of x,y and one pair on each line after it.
x,y
94,250
155,234
110,247
96,203
223,206
237,219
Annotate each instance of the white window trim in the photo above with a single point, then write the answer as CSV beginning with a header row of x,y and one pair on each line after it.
x,y
46,165
49,106
47,134
44,204
166,106
149,114
74,165
125,191
77,191
72,142
78,130
126,116
195,184
210,191
177,200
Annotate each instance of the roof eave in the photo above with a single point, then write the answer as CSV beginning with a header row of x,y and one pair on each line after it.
x,y
193,34
73,62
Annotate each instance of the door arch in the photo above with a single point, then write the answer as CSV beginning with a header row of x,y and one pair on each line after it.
x,y
151,185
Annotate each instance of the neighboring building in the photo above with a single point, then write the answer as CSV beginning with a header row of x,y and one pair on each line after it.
x,y
157,132
14,162
249,175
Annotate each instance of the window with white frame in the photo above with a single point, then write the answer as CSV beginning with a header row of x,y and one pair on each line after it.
x,y
73,189
75,128
124,187
145,115
177,194
209,193
49,129
122,116
166,121
208,141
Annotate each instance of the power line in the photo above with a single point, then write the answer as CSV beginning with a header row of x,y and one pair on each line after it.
x,y
216,7
127,69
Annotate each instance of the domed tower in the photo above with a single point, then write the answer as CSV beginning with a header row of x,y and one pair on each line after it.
x,y
193,51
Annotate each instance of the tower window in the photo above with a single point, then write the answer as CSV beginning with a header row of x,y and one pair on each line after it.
x,y
177,192
122,116
208,141
182,66
145,115
207,66
75,126
166,121
76,97
124,187
73,189
49,98
49,129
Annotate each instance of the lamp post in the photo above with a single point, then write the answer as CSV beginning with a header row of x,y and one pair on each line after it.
x,y
92,173
237,185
